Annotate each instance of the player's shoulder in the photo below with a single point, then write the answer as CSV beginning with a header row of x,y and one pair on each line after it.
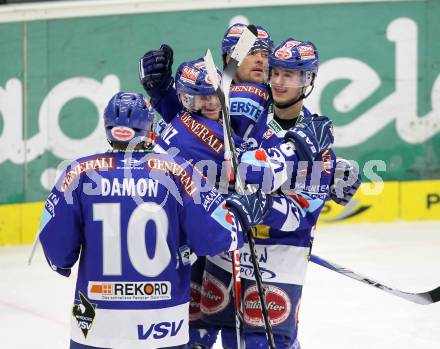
x,y
74,169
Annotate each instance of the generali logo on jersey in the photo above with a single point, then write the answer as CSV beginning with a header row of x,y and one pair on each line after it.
x,y
129,291
278,305
100,163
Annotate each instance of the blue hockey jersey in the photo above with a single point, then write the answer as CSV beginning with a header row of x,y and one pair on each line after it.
x,y
132,221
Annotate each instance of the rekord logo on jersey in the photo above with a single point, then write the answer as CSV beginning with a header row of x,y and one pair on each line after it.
x,y
159,330
189,75
122,133
84,313
129,291
277,301
194,301
215,295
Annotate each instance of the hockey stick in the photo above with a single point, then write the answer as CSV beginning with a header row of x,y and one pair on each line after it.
x,y
428,297
248,37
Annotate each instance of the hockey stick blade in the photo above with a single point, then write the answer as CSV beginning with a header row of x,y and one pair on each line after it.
x,y
428,297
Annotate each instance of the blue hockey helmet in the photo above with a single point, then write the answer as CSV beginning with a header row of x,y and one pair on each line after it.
x,y
127,115
295,55
193,83
232,35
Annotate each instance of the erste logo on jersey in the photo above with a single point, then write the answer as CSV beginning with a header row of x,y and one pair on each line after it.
x,y
189,75
278,305
122,133
215,295
129,291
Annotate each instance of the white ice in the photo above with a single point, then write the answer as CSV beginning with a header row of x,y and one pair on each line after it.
x,y
336,312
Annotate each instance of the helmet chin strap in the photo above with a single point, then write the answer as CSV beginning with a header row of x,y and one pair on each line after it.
x,y
293,101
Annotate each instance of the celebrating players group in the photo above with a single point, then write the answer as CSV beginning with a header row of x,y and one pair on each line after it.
x,y
153,220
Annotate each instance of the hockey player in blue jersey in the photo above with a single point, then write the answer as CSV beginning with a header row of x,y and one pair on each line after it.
x,y
283,252
196,134
130,217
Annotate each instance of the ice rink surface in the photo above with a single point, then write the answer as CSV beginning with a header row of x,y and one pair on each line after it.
x,y
336,312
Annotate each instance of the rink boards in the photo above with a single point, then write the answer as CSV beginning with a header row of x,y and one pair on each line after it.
x,y
408,201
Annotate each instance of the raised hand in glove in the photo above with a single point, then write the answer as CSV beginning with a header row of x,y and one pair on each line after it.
x,y
155,71
346,182
311,135
249,209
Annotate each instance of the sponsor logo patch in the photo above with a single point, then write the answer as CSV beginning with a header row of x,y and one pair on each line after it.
x,y
129,291
306,52
84,314
268,134
202,132
189,75
97,164
277,301
215,296
194,302
176,170
283,54
122,133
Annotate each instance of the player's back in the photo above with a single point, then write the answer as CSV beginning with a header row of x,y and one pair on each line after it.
x,y
133,217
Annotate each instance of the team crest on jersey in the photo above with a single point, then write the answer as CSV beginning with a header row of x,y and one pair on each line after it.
x,y
122,133
189,75
194,301
306,52
278,305
215,295
84,314
268,134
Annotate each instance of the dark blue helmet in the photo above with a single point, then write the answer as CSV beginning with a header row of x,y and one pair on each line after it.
x,y
295,55
127,115
192,79
232,35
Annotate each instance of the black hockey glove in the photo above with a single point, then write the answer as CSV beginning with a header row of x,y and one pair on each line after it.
x,y
249,209
311,135
346,182
155,71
